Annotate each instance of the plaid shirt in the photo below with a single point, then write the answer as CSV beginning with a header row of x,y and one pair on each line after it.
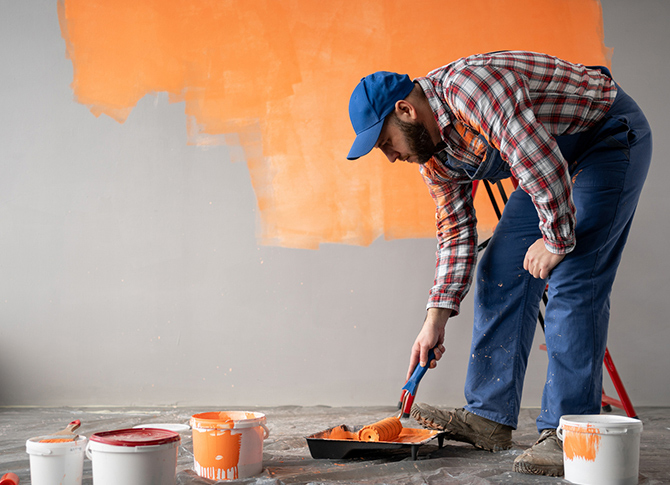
x,y
516,102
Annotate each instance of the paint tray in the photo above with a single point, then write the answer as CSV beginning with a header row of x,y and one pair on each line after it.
x,y
340,442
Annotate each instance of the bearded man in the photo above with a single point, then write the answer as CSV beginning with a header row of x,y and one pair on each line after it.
x,y
580,149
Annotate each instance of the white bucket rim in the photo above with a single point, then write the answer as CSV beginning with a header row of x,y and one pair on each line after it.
x,y
34,447
216,420
600,423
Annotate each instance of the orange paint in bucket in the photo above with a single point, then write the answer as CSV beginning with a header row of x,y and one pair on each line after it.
x,y
228,445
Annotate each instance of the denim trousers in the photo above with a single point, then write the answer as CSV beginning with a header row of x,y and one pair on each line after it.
x,y
608,165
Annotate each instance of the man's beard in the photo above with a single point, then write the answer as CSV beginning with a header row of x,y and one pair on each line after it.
x,y
418,140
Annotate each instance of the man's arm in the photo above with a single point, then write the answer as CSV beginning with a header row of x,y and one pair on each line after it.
x,y
455,258
455,221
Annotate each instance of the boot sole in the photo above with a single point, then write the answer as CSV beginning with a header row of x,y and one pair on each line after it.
x,y
530,469
455,436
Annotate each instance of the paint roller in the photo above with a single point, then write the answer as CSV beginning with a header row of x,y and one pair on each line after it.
x,y
387,429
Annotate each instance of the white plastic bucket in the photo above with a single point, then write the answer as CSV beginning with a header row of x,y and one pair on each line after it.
x,y
61,463
228,445
600,449
137,456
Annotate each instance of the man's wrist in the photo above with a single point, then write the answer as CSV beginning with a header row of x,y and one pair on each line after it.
x,y
438,316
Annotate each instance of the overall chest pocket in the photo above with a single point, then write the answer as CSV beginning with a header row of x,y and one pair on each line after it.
x,y
491,167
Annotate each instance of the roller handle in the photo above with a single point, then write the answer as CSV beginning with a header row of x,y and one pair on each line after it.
x,y
410,387
419,371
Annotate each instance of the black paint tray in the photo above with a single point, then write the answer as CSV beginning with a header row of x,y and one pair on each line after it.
x,y
323,445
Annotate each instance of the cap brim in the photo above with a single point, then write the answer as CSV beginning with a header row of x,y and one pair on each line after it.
x,y
365,141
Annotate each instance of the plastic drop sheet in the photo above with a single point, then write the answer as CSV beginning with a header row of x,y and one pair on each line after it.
x,y
287,459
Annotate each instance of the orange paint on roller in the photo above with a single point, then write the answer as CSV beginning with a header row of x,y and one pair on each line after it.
x,y
581,442
385,430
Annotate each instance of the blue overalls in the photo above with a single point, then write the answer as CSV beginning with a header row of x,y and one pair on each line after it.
x,y
608,165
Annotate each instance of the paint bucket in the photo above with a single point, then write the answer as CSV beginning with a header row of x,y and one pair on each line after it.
x,y
228,445
600,449
137,456
61,463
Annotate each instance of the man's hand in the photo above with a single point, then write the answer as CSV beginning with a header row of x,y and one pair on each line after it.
x,y
431,336
539,261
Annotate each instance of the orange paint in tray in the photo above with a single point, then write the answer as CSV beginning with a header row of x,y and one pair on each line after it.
x,y
343,442
387,430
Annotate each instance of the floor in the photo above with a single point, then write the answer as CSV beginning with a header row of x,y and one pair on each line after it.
x,y
287,459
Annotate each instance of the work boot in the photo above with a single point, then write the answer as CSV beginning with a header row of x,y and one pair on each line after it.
x,y
543,458
462,425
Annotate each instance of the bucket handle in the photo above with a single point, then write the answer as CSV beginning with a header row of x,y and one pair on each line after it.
x,y
88,451
44,453
266,432
559,432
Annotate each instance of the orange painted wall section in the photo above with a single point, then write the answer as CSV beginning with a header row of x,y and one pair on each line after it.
x,y
275,76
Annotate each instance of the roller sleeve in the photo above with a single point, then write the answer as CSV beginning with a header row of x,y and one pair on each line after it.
x,y
385,430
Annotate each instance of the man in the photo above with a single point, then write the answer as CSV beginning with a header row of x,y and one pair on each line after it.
x,y
580,149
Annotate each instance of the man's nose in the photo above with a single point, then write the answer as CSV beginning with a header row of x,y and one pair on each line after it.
x,y
392,155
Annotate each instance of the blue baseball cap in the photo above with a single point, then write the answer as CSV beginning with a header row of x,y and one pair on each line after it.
x,y
371,102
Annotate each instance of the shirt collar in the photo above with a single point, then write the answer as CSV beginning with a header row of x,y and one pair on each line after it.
x,y
441,110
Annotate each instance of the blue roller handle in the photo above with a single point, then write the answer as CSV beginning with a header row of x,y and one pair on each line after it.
x,y
419,371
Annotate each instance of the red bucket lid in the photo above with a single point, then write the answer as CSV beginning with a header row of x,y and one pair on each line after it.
x,y
136,437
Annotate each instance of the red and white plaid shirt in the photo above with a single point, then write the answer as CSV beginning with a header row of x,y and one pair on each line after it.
x,y
518,101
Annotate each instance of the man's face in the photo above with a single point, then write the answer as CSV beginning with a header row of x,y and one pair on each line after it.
x,y
405,141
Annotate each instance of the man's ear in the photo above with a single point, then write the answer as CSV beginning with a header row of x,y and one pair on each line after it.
x,y
405,111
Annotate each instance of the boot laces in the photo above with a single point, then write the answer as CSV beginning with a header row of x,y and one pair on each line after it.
x,y
545,435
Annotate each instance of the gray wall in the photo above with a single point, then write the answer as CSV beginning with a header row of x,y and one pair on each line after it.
x,y
122,282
